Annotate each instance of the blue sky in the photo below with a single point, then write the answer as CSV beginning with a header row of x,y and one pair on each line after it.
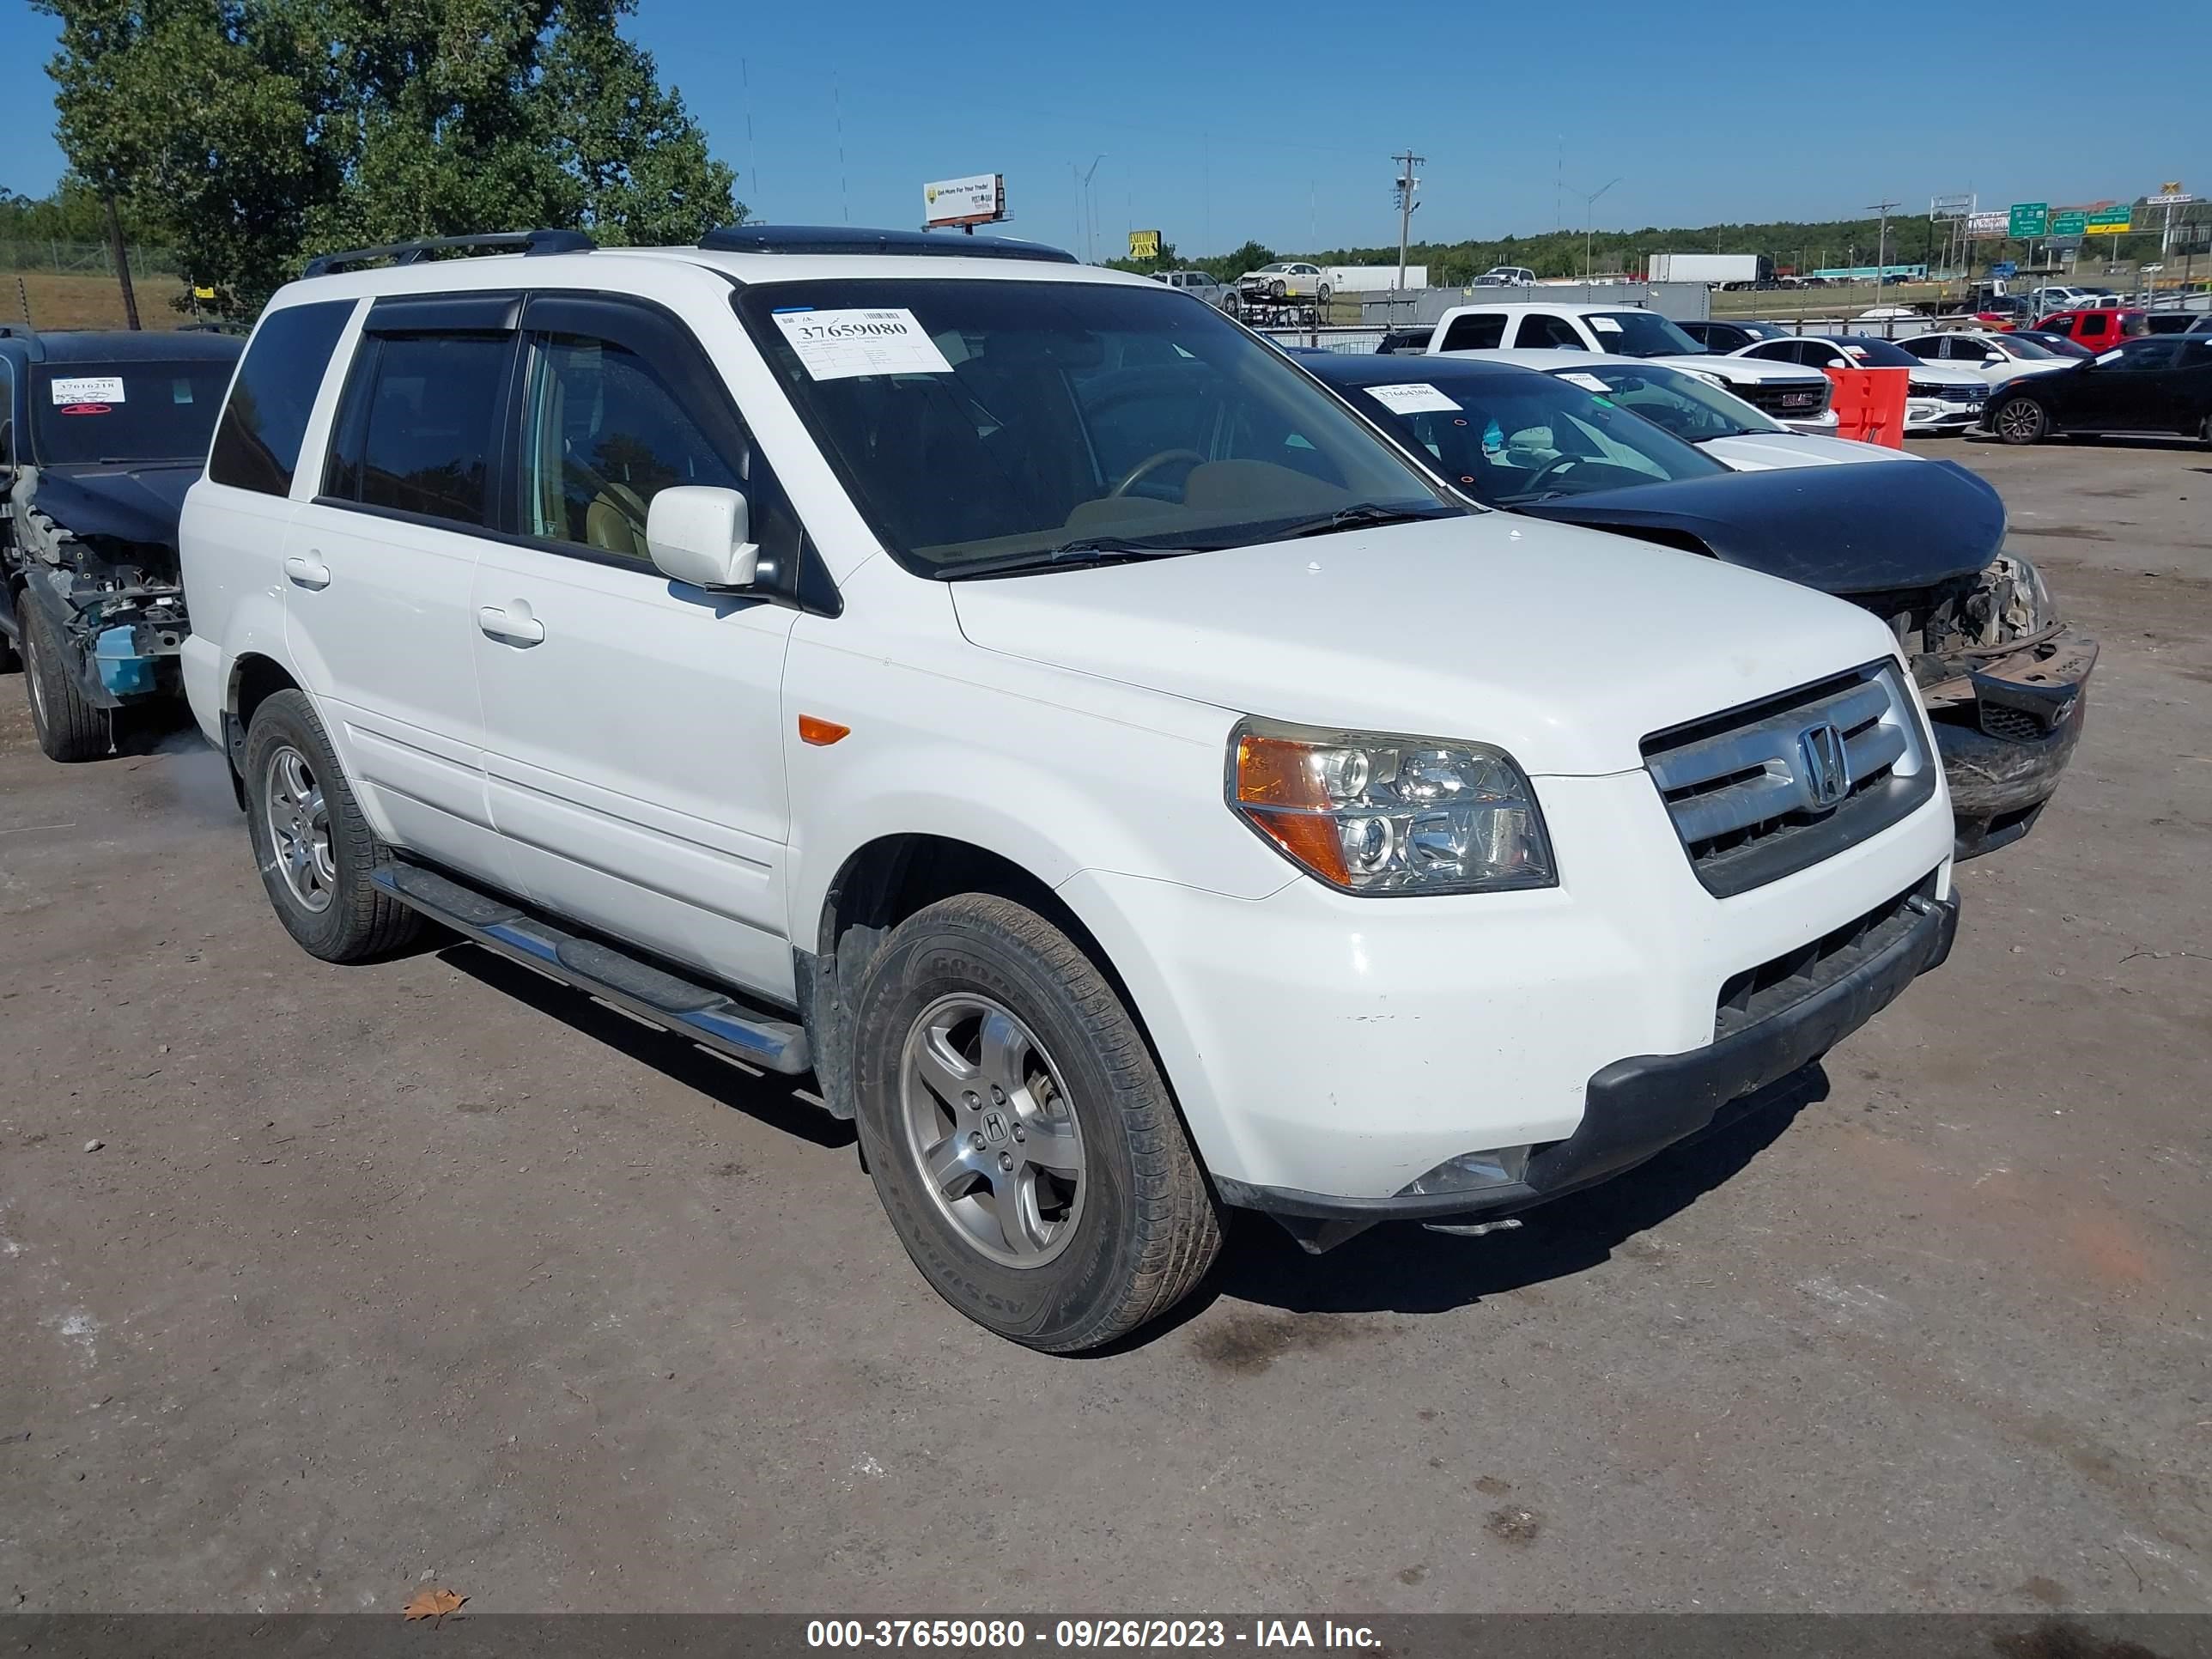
x,y
1216,125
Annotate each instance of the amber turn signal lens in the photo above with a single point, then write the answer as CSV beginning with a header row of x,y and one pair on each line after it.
x,y
1275,772
820,733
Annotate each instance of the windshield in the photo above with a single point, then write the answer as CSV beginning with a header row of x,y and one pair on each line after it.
x,y
163,411
2028,351
1506,439
1691,408
1870,353
976,421
1640,334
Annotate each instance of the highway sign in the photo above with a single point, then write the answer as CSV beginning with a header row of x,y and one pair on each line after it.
x,y
2072,222
2027,219
2109,221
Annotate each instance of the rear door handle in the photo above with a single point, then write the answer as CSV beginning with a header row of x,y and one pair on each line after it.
x,y
310,572
515,625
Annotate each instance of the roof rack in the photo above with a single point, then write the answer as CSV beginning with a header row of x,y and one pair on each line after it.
x,y
848,238
414,252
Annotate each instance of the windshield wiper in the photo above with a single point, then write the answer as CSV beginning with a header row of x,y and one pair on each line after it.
x,y
1359,517
1069,556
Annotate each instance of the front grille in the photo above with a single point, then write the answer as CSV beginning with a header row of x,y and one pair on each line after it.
x,y
1761,792
1787,400
2013,725
1944,392
1763,992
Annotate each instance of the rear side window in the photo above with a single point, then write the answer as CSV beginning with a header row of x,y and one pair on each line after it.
x,y
1478,333
256,443
1542,333
417,431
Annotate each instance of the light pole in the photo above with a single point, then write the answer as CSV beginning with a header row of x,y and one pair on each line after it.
x,y
1589,211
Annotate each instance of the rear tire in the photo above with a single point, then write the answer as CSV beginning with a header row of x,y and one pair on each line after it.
x,y
68,728
990,1049
2021,420
315,852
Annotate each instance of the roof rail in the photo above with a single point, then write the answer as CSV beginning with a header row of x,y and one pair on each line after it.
x,y
414,252
849,239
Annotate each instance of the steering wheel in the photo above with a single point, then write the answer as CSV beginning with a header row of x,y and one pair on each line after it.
x,y
1548,468
1150,465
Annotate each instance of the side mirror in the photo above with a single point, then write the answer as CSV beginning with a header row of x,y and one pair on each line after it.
x,y
701,537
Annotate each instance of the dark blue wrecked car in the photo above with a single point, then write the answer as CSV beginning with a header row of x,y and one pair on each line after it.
x,y
101,436
1920,543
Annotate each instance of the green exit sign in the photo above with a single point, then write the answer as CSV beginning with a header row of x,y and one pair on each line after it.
x,y
2068,224
2027,219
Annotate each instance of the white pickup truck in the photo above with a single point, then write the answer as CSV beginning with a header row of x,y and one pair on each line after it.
x,y
1034,706
1798,398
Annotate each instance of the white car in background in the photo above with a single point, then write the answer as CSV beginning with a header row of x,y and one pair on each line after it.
x,y
1692,404
1997,358
1939,398
1798,399
1286,279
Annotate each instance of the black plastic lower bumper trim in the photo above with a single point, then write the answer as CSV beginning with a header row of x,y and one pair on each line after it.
x,y
1635,1109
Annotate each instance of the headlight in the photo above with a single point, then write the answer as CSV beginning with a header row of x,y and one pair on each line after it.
x,y
1372,812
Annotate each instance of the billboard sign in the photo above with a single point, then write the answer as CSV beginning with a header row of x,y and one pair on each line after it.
x,y
2027,218
1144,244
979,199
1985,226
2170,194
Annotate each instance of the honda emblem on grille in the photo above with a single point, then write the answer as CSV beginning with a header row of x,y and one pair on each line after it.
x,y
1828,767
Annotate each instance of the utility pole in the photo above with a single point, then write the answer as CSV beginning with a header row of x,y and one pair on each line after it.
x,y
1409,182
1589,212
122,262
1881,242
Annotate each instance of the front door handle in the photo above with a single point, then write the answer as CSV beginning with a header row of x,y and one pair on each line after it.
x,y
513,623
310,572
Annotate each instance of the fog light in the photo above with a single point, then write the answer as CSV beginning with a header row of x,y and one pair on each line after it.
x,y
1471,1172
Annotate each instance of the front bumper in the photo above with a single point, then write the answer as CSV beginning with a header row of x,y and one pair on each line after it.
x,y
1940,415
1320,1042
2007,741
1635,1109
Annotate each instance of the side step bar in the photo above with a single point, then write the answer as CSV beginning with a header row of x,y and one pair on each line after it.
x,y
708,1017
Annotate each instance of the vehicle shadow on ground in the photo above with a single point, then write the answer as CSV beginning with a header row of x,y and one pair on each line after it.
x,y
1404,1268
777,1101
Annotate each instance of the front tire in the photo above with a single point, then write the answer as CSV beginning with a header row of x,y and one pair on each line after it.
x,y
68,728
1021,1139
315,852
1324,296
2021,420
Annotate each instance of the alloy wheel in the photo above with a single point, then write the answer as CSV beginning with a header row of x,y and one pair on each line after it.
x,y
992,1130
299,821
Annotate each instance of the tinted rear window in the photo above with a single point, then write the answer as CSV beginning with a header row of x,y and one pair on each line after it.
x,y
418,424
86,412
257,446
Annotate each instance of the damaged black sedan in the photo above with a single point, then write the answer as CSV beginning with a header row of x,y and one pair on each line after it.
x,y
101,436
1918,542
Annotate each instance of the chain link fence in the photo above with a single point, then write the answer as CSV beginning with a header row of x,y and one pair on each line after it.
x,y
62,258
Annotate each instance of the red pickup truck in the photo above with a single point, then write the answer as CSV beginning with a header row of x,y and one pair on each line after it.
x,y
2099,329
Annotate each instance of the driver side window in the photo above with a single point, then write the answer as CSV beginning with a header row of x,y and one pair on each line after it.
x,y
602,436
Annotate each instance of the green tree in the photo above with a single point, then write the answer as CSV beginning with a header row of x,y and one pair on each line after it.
x,y
264,131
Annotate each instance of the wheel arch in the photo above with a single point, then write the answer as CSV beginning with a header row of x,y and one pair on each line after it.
x,y
878,884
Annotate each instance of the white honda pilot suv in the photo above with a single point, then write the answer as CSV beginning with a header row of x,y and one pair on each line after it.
x,y
1021,697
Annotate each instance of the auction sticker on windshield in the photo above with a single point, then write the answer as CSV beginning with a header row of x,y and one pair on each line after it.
x,y
1587,382
1413,398
1605,324
841,345
89,389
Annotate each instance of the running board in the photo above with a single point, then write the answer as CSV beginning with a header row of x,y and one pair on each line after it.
x,y
708,1017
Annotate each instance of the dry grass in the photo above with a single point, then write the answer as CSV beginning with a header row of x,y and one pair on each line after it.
x,y
84,301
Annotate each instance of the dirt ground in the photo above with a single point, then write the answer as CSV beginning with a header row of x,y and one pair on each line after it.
x,y
432,1271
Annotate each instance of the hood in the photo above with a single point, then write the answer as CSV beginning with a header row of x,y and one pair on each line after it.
x,y
1742,371
1946,374
1759,452
1843,530
1560,645
121,502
